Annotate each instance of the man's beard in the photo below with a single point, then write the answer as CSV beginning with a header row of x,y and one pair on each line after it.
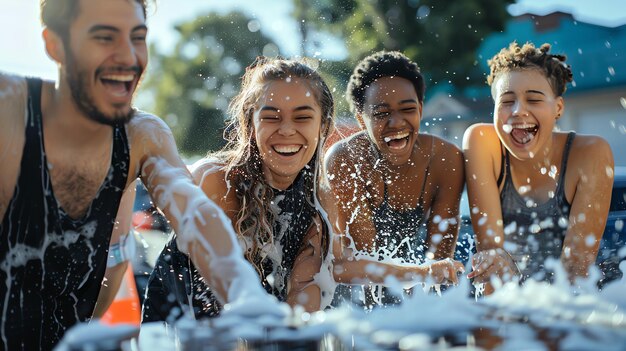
x,y
77,80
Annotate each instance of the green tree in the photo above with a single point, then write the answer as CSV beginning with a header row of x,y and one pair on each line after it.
x,y
442,36
192,86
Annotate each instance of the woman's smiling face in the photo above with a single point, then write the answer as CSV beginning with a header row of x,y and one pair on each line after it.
x,y
287,122
391,114
525,112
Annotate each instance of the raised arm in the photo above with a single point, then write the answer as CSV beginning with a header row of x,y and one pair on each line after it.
x,y
204,232
592,162
448,173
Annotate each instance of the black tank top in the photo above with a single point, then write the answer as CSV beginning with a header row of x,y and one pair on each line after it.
x,y
175,282
534,232
51,266
397,231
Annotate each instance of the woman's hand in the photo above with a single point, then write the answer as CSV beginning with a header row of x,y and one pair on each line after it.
x,y
445,271
488,263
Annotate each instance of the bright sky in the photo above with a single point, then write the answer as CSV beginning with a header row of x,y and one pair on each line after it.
x,y
23,52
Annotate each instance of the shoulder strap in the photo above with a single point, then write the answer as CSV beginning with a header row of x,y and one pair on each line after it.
x,y
34,102
430,157
566,149
503,151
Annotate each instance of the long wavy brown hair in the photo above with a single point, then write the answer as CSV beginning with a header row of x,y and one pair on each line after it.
x,y
242,162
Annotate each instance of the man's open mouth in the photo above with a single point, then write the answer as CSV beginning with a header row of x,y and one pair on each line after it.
x,y
524,133
287,150
397,141
119,84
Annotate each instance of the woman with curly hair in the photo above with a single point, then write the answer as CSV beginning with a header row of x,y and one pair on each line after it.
x,y
388,184
265,180
536,193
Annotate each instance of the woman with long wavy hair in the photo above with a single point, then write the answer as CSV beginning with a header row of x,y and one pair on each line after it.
x,y
265,179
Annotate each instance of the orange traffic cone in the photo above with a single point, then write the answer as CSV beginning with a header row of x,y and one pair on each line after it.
x,y
125,308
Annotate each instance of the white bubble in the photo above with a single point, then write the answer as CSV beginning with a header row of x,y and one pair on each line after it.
x,y
563,222
254,25
582,218
619,225
511,228
436,238
622,101
590,240
482,220
535,228
443,226
611,70
507,128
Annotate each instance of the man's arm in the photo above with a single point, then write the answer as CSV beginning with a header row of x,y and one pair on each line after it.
x,y
203,230
117,263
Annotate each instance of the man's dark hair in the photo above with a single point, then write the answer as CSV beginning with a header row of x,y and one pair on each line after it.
x,y
379,65
58,14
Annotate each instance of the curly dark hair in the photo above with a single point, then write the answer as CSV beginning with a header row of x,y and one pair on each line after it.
x,y
58,14
242,161
528,56
379,65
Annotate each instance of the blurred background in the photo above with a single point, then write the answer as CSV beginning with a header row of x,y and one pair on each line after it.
x,y
199,50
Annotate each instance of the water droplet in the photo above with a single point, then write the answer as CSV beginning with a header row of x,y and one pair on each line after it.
x,y
619,225
254,26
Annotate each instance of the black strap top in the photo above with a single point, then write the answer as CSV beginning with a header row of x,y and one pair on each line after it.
x,y
534,232
397,231
52,264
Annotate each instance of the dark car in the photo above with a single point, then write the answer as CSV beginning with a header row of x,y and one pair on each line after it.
x,y
613,239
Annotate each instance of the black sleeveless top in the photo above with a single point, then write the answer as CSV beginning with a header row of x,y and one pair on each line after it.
x,y
51,265
534,232
175,282
397,231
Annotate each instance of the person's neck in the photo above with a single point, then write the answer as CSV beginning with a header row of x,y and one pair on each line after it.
x,y
277,181
541,163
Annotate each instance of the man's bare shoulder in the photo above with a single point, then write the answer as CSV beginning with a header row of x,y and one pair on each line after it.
x,y
147,125
13,97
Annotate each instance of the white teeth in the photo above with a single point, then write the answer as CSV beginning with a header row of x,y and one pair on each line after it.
x,y
287,149
119,77
396,137
524,125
